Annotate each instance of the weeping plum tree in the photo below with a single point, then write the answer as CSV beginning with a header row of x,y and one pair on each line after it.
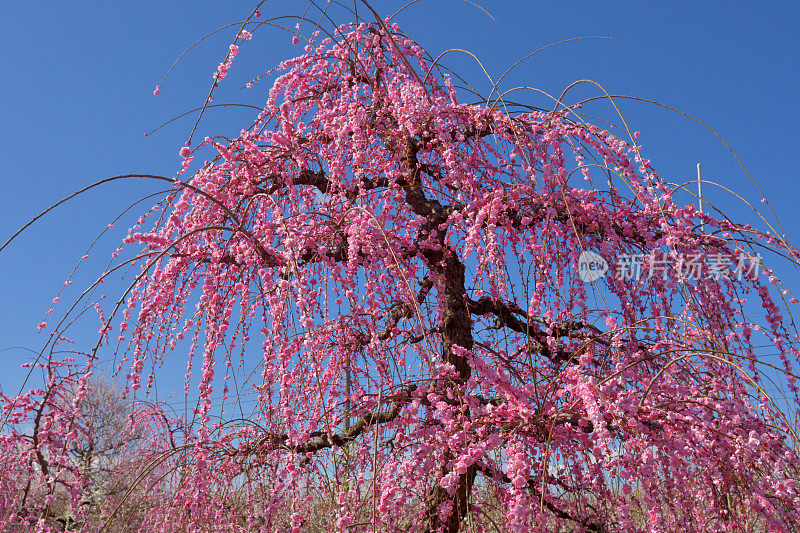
x,y
395,278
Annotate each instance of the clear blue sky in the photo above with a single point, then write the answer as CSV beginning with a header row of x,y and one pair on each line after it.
x,y
77,97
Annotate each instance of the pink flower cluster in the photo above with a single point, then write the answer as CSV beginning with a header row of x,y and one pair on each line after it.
x,y
390,278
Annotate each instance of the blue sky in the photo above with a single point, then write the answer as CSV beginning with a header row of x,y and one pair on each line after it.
x,y
77,99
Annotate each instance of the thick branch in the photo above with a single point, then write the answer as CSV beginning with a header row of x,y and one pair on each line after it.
x,y
448,273
305,177
321,439
433,522
403,310
516,319
533,488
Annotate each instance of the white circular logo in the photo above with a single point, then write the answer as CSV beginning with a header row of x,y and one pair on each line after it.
x,y
591,266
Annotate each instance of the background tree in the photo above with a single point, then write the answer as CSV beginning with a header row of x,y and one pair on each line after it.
x,y
428,357
87,454
111,444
